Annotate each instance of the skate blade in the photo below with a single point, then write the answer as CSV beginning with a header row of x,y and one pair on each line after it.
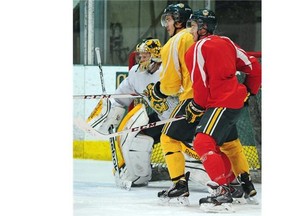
x,y
210,207
184,201
247,200
252,201
181,201
239,201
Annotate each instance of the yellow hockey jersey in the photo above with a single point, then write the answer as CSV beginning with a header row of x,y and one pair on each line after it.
x,y
174,77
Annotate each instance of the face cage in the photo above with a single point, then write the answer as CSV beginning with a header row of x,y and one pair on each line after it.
x,y
145,64
153,51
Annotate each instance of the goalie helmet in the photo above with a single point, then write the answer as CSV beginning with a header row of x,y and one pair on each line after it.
x,y
151,46
180,13
205,19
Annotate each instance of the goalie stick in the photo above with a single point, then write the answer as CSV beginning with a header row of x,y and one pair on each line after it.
x,y
81,124
97,50
100,96
119,182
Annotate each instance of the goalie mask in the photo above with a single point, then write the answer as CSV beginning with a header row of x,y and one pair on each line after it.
x,y
149,51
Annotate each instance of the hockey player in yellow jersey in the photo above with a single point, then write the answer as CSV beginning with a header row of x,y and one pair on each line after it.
x,y
175,80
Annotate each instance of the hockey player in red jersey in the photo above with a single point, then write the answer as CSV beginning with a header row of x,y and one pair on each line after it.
x,y
218,99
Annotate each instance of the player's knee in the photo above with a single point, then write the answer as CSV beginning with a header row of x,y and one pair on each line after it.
x,y
232,148
169,145
203,144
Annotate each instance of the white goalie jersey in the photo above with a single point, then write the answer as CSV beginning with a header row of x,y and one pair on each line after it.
x,y
136,82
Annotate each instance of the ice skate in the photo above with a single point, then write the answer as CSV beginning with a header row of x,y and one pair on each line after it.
x,y
178,191
249,189
219,201
247,185
237,192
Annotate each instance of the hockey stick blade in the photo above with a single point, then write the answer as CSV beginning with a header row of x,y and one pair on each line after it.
x,y
81,124
100,96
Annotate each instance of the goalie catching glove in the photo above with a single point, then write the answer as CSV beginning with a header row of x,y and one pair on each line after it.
x,y
158,101
193,111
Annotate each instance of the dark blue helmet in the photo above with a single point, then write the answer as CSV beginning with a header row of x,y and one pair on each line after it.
x,y
204,16
180,13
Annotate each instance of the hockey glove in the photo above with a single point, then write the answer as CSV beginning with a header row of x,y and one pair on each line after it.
x,y
193,111
157,100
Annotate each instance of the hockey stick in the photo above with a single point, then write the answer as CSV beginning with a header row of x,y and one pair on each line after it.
x,y
121,183
81,124
100,96
97,50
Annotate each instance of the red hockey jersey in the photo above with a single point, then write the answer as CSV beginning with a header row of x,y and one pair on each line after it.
x,y
212,63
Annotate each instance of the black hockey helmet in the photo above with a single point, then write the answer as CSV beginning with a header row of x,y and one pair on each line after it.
x,y
180,13
204,16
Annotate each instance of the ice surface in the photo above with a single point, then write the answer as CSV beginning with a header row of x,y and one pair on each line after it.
x,y
95,193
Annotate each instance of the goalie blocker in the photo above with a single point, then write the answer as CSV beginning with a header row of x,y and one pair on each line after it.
x,y
135,148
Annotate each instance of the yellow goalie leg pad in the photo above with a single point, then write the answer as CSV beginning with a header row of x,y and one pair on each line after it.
x,y
235,153
124,121
174,157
